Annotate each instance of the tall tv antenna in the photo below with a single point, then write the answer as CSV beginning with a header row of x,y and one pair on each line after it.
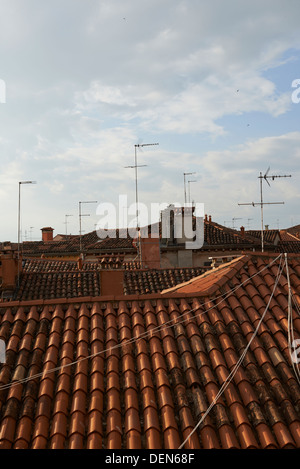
x,y
66,222
135,167
248,222
265,177
80,216
184,180
233,220
189,181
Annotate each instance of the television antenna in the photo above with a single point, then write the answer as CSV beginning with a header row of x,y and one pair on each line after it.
x,y
265,177
233,220
191,180
184,175
80,216
66,222
248,224
135,167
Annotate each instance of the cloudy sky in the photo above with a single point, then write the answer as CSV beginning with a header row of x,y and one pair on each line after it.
x,y
213,82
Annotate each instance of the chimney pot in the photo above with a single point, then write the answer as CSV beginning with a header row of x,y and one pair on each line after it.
x,y
243,231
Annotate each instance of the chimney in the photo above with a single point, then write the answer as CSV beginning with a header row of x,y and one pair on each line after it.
x,y
205,217
266,227
243,231
150,252
111,282
47,234
209,219
9,268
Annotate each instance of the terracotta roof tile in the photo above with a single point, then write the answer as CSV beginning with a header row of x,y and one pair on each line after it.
x,y
152,392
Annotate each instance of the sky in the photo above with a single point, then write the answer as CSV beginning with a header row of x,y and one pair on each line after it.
x,y
82,82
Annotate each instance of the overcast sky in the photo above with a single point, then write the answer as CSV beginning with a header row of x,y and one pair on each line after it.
x,y
86,80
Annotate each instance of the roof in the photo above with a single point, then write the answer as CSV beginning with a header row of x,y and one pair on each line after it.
x,y
270,236
286,236
90,242
216,236
54,285
294,230
49,266
219,235
209,282
44,279
141,371
288,246
156,280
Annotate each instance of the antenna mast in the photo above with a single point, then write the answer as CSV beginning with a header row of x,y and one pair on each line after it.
x,y
136,166
233,220
66,222
184,175
261,203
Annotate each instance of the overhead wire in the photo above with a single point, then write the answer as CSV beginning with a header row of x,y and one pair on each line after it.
x,y
164,326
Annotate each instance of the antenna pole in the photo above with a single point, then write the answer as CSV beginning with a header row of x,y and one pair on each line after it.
x,y
261,213
184,175
262,203
136,166
66,223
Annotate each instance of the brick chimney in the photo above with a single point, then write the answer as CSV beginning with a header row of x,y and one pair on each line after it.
x,y
112,282
150,252
9,267
243,231
47,234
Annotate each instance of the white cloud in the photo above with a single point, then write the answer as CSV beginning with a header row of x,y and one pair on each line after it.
x,y
85,80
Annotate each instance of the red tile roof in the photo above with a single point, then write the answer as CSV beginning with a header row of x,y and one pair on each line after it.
x,y
294,230
142,371
270,236
54,285
156,280
288,246
44,279
286,236
90,242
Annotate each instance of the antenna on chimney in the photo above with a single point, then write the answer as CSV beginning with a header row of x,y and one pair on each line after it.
x,y
261,203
